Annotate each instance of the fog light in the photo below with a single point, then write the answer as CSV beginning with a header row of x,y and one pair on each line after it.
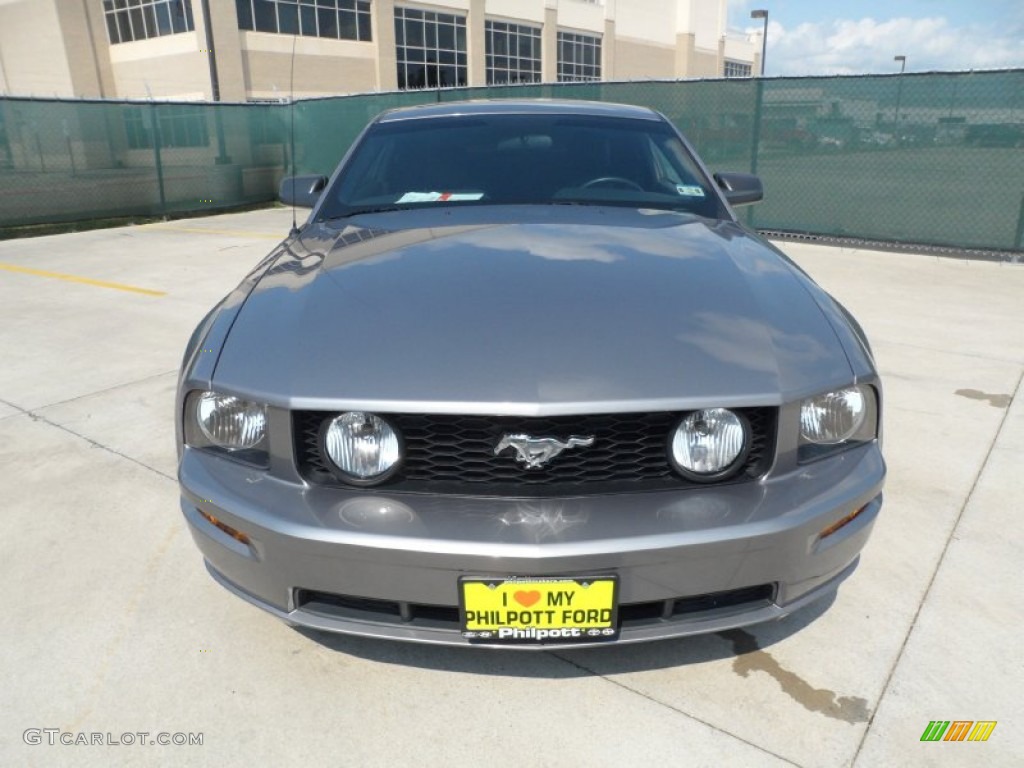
x,y
364,447
709,444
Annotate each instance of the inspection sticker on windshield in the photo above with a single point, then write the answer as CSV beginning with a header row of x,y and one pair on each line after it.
x,y
438,197
539,610
690,190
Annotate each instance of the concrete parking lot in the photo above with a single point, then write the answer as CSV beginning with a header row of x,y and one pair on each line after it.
x,y
112,626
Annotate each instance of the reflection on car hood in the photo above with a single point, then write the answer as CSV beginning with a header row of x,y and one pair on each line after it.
x,y
530,310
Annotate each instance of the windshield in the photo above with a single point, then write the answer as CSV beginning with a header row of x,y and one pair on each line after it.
x,y
520,159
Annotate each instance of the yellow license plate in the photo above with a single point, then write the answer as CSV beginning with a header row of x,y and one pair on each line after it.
x,y
537,610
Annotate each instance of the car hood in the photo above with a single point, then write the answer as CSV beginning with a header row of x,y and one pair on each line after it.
x,y
532,311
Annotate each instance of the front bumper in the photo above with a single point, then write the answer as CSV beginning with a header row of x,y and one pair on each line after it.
x,y
689,561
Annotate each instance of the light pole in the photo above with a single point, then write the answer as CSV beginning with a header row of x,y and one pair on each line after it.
x,y
755,139
211,56
899,94
761,13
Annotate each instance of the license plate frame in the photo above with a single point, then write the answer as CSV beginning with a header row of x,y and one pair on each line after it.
x,y
491,609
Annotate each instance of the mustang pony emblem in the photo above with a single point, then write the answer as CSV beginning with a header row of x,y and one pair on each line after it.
x,y
535,452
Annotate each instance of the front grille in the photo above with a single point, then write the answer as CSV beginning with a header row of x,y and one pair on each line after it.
x,y
631,615
455,454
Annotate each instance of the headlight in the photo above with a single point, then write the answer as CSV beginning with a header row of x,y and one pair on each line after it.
x,y
833,421
709,444
228,424
363,447
832,417
231,422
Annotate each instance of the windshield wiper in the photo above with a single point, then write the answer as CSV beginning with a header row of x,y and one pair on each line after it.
x,y
368,209
637,204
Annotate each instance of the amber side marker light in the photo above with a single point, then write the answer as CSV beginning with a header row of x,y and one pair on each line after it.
x,y
825,532
236,535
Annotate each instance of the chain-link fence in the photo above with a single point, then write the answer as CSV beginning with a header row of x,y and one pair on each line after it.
x,y
77,160
935,158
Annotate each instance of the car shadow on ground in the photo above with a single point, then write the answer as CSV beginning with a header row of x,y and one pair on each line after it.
x,y
568,663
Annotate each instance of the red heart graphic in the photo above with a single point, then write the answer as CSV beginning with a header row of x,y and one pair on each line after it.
x,y
527,599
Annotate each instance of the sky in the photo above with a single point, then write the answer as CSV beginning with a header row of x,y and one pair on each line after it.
x,y
827,37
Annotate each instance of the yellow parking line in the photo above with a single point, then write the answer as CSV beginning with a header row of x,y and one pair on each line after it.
x,y
83,280
230,232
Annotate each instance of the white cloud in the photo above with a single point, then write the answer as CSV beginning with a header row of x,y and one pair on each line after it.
x,y
847,46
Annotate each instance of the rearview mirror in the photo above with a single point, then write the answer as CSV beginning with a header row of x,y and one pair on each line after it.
x,y
740,188
302,191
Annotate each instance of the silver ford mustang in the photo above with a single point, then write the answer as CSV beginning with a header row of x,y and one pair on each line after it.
x,y
521,379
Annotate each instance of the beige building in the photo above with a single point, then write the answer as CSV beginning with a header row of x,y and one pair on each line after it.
x,y
245,50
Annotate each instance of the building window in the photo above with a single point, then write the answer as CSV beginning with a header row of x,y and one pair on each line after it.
x,y
430,49
129,20
336,19
579,57
737,69
181,125
513,53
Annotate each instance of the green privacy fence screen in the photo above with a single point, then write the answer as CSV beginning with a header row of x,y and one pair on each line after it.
x,y
935,158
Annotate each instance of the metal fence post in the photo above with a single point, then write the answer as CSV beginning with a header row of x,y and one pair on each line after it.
x,y
39,146
218,124
155,129
755,138
67,140
1018,240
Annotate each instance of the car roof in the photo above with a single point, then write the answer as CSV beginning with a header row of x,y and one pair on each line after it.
x,y
518,107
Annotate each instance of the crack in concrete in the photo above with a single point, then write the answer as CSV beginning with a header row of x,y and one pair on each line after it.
x,y
126,616
16,410
935,572
878,342
84,395
42,419
751,658
669,707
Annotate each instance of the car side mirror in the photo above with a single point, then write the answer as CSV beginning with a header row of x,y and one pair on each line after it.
x,y
740,188
302,191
